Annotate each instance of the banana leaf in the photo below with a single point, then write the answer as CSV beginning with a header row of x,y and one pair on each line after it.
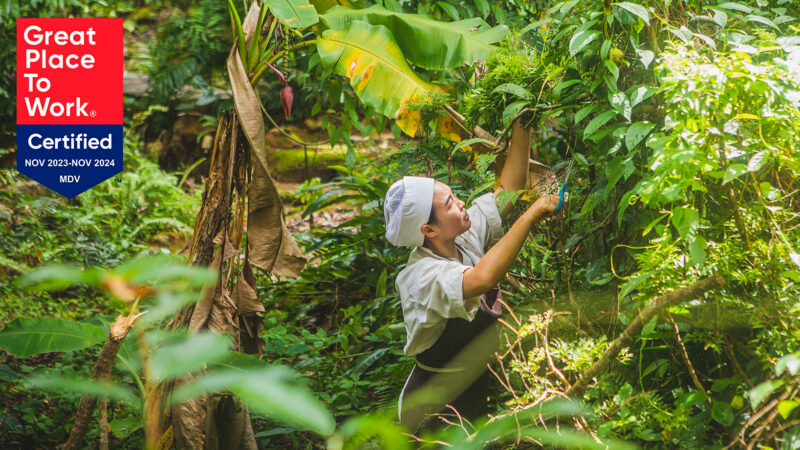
x,y
294,13
370,58
425,42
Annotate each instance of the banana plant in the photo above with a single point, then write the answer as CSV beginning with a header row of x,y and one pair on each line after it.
x,y
374,48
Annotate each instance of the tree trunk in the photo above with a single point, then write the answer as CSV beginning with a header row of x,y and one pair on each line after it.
x,y
102,369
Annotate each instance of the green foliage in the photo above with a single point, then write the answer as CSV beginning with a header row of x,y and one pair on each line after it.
x,y
165,355
28,336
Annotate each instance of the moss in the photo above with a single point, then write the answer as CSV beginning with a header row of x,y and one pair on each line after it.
x,y
290,164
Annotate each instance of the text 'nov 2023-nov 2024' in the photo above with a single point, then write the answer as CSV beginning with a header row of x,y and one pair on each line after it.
x,y
69,102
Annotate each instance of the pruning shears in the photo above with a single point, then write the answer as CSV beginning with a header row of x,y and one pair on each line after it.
x,y
563,190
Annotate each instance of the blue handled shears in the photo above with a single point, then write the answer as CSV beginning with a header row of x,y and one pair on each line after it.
x,y
563,190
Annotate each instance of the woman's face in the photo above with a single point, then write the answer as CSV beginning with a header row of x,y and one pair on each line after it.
x,y
451,216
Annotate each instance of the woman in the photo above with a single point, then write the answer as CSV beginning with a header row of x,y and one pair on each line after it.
x,y
449,286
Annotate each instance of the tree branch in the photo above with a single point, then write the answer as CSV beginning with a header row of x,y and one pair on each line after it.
x,y
635,327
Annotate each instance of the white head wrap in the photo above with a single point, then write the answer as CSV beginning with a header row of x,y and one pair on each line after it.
x,y
407,207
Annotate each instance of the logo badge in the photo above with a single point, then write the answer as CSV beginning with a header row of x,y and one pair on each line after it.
x,y
69,102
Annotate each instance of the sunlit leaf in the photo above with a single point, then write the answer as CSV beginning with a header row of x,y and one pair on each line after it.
x,y
370,58
646,57
447,44
760,392
637,10
294,13
790,363
762,20
580,40
733,172
785,407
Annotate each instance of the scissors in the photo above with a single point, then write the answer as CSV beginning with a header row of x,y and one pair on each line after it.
x,y
562,191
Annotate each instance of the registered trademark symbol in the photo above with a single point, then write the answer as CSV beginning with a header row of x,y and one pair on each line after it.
x,y
92,113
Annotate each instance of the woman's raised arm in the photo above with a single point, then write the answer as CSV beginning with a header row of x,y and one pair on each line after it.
x,y
515,170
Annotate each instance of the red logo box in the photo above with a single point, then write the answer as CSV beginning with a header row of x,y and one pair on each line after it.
x,y
69,71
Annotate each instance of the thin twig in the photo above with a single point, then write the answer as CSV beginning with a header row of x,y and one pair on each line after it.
x,y
685,356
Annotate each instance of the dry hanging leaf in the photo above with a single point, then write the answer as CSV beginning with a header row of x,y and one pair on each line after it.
x,y
189,417
250,312
270,245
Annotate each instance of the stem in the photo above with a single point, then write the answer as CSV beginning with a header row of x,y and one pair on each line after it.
x,y
101,371
278,56
103,425
239,33
686,359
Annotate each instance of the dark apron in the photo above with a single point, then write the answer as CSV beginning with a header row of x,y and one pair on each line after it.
x,y
446,376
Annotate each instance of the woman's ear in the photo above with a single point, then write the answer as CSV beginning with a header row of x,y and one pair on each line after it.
x,y
428,231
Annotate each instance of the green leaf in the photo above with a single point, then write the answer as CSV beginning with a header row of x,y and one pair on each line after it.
x,y
757,161
30,336
483,7
514,89
448,9
722,413
790,362
733,7
760,392
720,18
581,159
512,110
364,362
596,123
637,10
467,142
619,101
636,133
640,94
697,250
123,428
447,44
605,48
52,277
733,172
682,33
762,20
380,286
685,220
646,57
583,112
612,68
273,391
785,407
84,386
185,354
580,40
613,172
563,85
294,13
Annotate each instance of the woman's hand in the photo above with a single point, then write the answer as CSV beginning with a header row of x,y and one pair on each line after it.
x,y
545,205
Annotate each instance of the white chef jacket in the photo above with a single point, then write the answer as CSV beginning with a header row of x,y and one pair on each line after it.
x,y
430,286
